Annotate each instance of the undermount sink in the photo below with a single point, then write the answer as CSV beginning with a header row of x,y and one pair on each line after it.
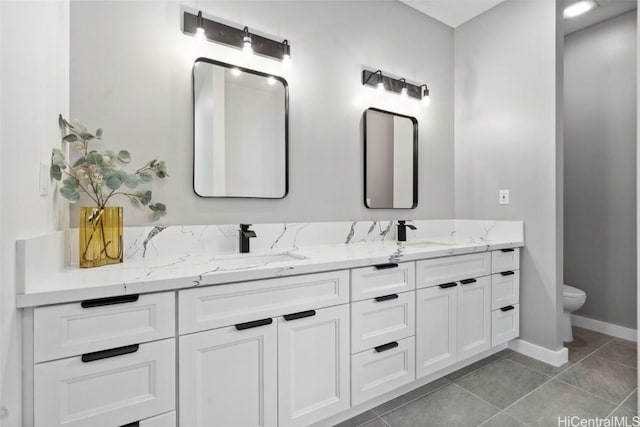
x,y
431,242
254,259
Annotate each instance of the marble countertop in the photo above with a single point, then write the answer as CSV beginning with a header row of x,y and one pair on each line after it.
x,y
166,273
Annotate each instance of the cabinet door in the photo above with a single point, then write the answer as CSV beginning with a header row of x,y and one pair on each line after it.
x,y
474,321
313,365
436,328
228,377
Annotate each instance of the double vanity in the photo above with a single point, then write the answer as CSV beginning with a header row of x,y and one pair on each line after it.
x,y
307,337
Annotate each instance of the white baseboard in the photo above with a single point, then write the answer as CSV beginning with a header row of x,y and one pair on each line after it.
x,y
543,354
605,328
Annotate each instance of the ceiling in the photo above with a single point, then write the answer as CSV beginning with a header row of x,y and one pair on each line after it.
x,y
457,12
608,9
452,12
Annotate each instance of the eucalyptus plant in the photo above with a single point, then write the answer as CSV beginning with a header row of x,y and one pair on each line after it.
x,y
100,175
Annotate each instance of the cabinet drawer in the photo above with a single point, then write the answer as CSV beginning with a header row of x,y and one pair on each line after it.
x,y
505,325
377,372
216,306
164,420
376,322
77,328
108,392
432,272
505,289
505,259
385,279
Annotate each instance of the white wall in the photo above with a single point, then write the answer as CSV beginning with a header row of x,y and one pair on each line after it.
x,y
600,164
505,138
131,75
35,89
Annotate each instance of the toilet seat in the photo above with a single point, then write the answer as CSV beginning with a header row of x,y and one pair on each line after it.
x,y
571,292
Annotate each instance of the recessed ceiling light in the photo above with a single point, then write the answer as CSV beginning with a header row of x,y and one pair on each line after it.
x,y
578,8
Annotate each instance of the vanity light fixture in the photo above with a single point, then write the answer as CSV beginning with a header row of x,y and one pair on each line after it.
x,y
201,35
426,100
400,86
208,30
578,8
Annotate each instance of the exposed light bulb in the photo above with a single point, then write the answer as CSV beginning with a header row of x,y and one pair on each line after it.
x,y
236,72
381,87
426,100
201,37
286,60
271,80
404,93
286,56
579,8
246,42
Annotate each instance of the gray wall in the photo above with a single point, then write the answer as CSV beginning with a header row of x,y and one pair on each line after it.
x,y
131,75
505,138
600,167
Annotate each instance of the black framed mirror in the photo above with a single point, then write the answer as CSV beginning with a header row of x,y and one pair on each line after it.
x,y
240,132
390,160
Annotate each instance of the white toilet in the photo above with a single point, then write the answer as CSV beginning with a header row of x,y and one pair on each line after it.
x,y
573,299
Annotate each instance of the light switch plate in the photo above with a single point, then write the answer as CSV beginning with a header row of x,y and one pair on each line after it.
x,y
43,182
503,197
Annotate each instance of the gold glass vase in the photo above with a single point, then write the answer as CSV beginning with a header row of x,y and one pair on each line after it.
x,y
100,236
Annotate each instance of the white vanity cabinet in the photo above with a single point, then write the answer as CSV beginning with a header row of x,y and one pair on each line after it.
x,y
474,316
229,376
505,295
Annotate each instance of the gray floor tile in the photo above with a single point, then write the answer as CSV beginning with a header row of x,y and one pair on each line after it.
x,y
631,402
504,353
378,422
358,419
450,406
537,365
603,377
502,383
625,413
585,342
503,420
621,351
543,406
473,367
409,397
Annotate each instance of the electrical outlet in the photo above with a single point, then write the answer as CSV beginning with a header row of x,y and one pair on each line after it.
x,y
43,181
503,197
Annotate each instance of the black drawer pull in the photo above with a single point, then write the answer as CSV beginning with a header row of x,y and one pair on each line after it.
x,y
98,302
467,281
386,297
112,352
507,250
507,308
386,347
254,324
136,424
507,273
300,315
385,266
448,285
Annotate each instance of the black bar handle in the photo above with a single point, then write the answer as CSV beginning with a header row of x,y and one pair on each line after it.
x,y
254,324
507,273
112,352
135,424
385,266
98,302
386,347
507,250
301,315
448,285
467,281
507,308
386,297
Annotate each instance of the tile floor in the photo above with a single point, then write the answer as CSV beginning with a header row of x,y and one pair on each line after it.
x,y
512,390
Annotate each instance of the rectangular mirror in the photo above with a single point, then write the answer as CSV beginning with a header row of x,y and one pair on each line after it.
x,y
240,131
390,160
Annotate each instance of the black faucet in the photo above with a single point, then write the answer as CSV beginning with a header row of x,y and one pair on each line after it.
x,y
244,235
402,230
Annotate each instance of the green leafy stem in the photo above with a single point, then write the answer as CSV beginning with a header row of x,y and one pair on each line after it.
x,y
100,175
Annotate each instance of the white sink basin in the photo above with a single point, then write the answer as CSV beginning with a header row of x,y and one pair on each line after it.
x,y
430,242
253,259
